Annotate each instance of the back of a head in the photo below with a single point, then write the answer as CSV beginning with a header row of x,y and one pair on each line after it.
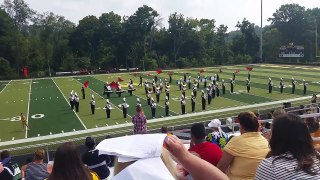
x,y
198,131
248,121
164,129
90,142
4,154
290,134
39,154
278,112
67,164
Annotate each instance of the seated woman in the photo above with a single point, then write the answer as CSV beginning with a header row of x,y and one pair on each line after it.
x,y
292,154
243,153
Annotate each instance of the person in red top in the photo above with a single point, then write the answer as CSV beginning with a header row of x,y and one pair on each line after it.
x,y
139,121
199,146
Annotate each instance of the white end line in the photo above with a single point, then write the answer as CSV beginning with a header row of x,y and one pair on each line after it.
x,y
26,135
5,86
68,103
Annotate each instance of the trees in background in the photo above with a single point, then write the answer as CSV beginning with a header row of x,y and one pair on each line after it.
x,y
46,42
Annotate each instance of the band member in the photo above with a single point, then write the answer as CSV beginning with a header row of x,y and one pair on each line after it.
x,y
184,88
248,85
138,103
140,83
108,109
148,97
205,82
130,88
167,90
83,93
120,91
203,100
293,85
156,78
217,89
154,84
71,99
153,108
93,104
304,87
76,102
223,87
249,76
185,77
231,85
214,79
213,90
166,105
124,107
180,84
130,81
270,84
189,82
158,92
233,76
146,86
161,85
193,102
23,121
195,88
170,78
183,104
218,77
108,90
209,94
198,80
281,85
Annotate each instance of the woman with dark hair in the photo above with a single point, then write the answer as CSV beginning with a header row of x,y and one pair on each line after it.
x,y
243,153
292,154
68,165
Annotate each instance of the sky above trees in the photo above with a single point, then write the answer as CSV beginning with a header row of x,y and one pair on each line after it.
x,y
227,12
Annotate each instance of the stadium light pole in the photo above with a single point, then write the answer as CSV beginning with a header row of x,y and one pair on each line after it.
x,y
261,35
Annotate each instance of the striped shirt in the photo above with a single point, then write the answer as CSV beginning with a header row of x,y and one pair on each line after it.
x,y
284,169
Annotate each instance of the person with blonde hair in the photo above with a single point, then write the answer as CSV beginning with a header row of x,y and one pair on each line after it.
x,y
37,169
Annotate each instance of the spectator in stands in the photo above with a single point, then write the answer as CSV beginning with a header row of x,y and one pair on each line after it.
x,y
24,167
164,130
292,154
37,169
197,167
205,150
139,121
68,165
302,110
217,136
11,169
275,113
243,153
94,161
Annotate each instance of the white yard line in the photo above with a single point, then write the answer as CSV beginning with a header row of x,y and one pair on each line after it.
x,y
26,135
5,86
103,98
68,103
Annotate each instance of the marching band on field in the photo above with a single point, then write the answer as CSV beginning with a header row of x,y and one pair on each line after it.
x,y
211,90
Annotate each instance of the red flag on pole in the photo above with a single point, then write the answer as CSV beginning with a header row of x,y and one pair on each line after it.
x,y
159,71
202,70
114,85
119,79
249,68
237,71
25,72
86,84
135,74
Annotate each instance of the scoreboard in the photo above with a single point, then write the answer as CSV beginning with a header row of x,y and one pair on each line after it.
x,y
291,51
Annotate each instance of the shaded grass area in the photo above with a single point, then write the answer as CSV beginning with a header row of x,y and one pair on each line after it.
x,y
46,99
3,84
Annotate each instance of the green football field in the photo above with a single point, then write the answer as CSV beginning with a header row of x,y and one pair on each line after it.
x,y
45,102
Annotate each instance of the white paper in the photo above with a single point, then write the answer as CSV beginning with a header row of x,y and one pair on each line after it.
x,y
135,146
151,168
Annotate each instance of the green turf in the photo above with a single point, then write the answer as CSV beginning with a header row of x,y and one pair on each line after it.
x,y
3,84
46,99
13,101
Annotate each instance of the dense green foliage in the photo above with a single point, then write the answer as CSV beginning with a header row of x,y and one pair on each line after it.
x,y
45,42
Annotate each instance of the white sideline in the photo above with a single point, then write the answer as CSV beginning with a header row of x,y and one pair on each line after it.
x,y
5,86
149,121
68,103
26,135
